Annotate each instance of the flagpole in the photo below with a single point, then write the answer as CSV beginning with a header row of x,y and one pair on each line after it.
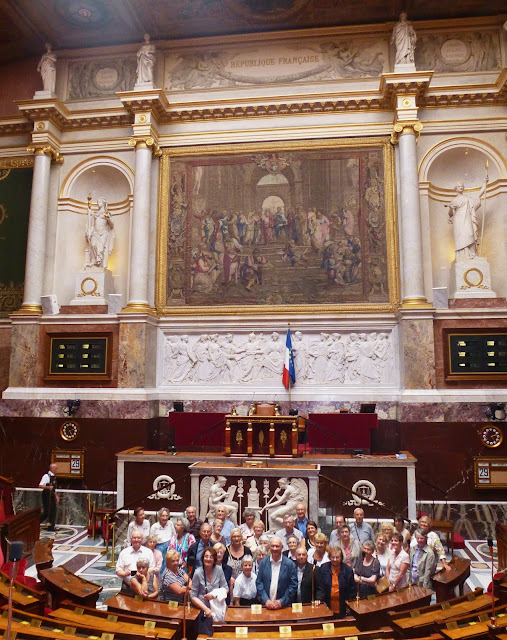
x,y
484,212
290,380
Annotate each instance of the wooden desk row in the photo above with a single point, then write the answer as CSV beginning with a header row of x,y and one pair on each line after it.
x,y
428,619
23,597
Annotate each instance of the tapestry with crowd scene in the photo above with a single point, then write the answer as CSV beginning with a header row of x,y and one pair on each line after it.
x,y
284,225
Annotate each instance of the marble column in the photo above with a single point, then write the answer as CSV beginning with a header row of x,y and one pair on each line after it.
x,y
140,231
410,214
36,243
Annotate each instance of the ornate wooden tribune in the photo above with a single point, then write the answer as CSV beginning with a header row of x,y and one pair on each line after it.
x,y
261,436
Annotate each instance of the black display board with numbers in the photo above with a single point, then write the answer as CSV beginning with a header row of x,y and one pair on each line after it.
x,y
476,355
79,357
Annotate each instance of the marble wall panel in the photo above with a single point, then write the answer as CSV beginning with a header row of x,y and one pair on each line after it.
x,y
24,355
137,355
417,353
5,350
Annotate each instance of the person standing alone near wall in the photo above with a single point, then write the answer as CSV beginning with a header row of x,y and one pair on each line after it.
x,y
48,484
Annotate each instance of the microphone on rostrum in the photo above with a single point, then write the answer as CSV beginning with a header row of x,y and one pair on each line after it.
x,y
16,551
15,555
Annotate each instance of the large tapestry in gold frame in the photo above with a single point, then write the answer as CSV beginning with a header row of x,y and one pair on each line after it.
x,y
283,227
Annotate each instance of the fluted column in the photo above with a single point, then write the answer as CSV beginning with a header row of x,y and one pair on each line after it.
x,y
410,214
36,243
140,234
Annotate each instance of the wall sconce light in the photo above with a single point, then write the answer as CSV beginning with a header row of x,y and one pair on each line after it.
x,y
72,407
496,411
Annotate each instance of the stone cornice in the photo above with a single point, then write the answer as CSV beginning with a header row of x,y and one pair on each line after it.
x,y
151,100
155,102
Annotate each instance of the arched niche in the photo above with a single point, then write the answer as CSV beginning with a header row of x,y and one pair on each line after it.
x,y
101,177
466,160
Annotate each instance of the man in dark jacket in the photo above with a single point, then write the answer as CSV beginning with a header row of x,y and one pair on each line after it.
x,y
305,576
335,583
195,551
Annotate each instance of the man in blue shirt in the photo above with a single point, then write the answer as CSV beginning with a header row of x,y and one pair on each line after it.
x,y
301,520
359,530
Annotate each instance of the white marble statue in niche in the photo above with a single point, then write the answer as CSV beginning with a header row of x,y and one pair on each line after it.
x,y
99,234
213,494
47,69
463,217
404,39
146,62
284,501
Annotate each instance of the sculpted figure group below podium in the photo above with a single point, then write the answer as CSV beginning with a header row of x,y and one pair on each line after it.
x,y
290,493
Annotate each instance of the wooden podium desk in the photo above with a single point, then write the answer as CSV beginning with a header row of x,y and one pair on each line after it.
x,y
130,629
261,436
151,609
243,615
428,618
444,582
127,623
372,614
64,585
306,631
23,597
476,630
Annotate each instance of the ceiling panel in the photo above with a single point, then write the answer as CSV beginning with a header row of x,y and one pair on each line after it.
x,y
25,25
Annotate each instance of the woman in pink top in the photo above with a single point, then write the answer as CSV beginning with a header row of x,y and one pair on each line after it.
x,y
397,565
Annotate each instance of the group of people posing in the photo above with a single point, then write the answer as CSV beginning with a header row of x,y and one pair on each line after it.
x,y
217,564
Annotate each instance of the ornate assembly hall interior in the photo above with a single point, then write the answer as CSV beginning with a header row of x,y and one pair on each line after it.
x,y
253,254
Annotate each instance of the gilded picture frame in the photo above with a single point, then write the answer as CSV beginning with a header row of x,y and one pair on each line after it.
x,y
282,228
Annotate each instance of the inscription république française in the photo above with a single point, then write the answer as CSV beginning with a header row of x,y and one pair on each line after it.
x,y
269,62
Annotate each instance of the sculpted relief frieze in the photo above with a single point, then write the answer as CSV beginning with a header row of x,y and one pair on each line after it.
x,y
100,78
466,51
326,60
346,358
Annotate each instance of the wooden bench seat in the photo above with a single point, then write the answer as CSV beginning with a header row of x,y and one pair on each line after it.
x,y
424,620
49,628
111,623
22,597
314,631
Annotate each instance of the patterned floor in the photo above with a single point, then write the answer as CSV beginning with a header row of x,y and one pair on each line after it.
x,y
85,557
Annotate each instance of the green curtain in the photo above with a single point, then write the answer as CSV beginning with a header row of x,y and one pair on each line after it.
x,y
15,191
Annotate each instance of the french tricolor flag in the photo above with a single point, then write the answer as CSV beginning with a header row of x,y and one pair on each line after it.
x,y
289,372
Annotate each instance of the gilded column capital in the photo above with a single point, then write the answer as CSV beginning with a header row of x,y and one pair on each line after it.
x,y
144,142
46,150
413,127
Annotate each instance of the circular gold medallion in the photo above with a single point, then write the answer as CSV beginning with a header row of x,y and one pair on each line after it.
x,y
89,292
476,280
491,436
69,430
